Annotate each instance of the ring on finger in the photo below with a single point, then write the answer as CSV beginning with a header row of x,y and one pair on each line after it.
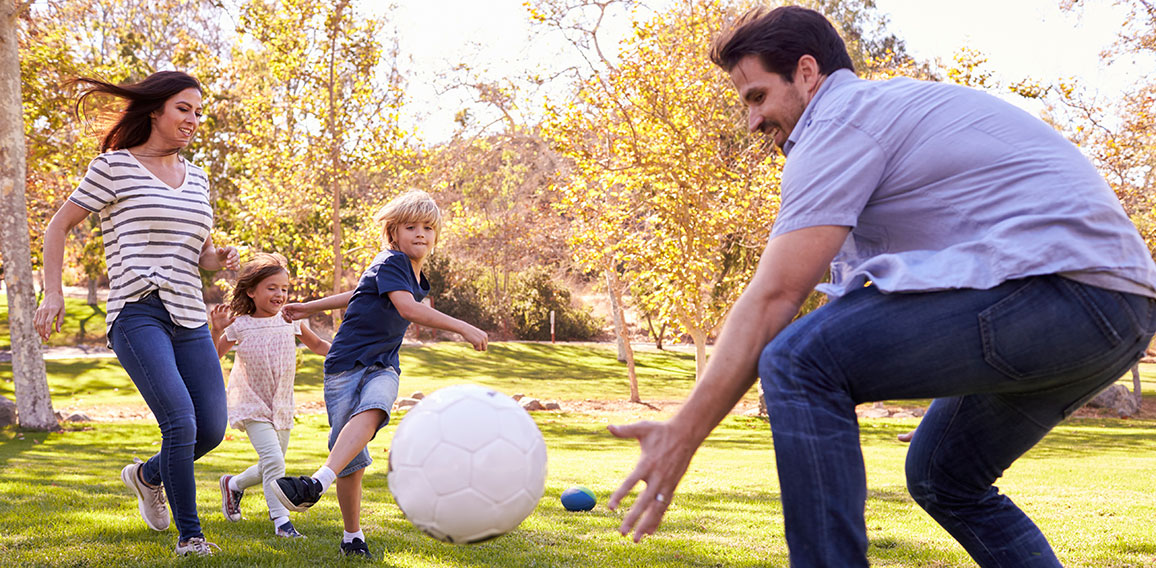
x,y
660,498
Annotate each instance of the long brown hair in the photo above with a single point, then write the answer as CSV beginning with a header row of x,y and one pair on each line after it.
x,y
133,124
260,267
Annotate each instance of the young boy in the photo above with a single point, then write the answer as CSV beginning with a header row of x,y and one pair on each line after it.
x,y
361,369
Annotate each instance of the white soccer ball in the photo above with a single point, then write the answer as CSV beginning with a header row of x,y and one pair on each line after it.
x,y
467,464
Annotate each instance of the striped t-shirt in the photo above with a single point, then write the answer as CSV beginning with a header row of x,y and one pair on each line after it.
x,y
153,233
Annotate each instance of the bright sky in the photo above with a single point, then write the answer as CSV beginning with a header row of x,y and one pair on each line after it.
x,y
1021,39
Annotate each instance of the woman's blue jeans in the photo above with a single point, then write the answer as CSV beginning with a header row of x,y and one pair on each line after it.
x,y
1004,366
177,371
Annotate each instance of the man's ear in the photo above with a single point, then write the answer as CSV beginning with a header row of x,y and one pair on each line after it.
x,y
807,71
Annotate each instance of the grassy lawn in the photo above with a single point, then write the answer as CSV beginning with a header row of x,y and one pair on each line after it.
x,y
1089,484
82,324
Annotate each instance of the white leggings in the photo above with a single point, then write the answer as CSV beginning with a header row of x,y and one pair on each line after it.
x,y
271,446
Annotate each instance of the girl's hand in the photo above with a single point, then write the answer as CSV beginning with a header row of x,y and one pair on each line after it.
x,y
229,257
49,316
221,317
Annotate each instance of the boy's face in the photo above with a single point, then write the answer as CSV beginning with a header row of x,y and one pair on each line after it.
x,y
415,239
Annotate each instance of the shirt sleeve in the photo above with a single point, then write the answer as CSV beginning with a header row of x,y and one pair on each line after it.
x,y
394,274
97,190
231,332
829,177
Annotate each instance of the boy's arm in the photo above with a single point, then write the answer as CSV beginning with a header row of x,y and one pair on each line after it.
x,y
305,309
220,318
314,343
421,314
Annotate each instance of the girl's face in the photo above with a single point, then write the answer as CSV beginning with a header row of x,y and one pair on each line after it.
x,y
270,294
416,239
176,122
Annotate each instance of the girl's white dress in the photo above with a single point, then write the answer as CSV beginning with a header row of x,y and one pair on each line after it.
x,y
261,382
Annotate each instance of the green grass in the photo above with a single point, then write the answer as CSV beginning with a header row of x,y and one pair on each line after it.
x,y
1088,484
82,324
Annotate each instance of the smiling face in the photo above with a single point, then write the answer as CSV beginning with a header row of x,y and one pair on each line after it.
x,y
270,294
175,123
415,239
774,104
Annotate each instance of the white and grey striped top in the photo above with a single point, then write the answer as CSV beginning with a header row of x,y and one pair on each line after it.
x,y
153,233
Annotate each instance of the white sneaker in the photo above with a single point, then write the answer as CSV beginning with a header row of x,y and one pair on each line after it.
x,y
196,545
150,500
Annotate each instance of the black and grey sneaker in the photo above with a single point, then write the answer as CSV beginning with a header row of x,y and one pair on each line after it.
x,y
230,500
286,530
297,493
356,548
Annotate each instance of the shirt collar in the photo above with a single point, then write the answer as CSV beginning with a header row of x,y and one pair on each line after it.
x,y
833,80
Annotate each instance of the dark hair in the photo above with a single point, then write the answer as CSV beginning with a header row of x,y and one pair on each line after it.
x,y
780,37
134,124
260,267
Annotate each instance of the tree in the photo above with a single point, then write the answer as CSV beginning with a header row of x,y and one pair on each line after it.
x,y
33,402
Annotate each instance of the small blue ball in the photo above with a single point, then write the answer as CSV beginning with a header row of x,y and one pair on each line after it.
x,y
578,498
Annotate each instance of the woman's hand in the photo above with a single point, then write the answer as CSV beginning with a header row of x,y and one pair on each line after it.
x,y
50,315
229,257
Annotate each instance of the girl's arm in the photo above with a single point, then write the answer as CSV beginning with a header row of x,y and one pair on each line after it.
x,y
305,309
422,314
50,314
314,343
220,318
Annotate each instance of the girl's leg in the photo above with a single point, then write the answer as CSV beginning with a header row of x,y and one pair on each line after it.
x,y
270,445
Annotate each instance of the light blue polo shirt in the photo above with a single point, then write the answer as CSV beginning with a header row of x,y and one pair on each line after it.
x,y
948,187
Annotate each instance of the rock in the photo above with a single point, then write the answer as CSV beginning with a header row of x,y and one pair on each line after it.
x,y
404,403
417,395
1116,397
518,396
7,412
78,417
876,413
903,414
552,405
531,404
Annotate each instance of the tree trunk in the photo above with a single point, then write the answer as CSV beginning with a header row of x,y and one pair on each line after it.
x,y
626,353
699,338
93,299
335,155
1136,394
33,403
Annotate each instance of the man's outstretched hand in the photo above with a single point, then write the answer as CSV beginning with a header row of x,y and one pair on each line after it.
x,y
666,454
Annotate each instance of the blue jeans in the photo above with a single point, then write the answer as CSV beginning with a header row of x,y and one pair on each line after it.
x,y
349,393
1004,365
177,371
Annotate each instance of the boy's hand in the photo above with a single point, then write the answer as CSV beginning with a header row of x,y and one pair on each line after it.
x,y
221,317
294,311
476,337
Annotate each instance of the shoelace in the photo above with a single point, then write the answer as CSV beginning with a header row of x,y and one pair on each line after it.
x,y
200,546
158,492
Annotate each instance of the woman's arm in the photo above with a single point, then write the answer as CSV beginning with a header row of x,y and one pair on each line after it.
x,y
50,314
214,258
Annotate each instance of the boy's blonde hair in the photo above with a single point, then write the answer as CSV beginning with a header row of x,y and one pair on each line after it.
x,y
413,206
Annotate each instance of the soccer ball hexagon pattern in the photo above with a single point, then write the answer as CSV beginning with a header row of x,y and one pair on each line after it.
x,y
467,464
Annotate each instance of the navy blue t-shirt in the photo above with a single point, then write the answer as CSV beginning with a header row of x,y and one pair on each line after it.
x,y
373,328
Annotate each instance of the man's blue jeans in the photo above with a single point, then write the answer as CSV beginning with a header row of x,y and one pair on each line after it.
x,y
1004,366
177,371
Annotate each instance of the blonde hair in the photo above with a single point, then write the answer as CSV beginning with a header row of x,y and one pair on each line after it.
x,y
413,206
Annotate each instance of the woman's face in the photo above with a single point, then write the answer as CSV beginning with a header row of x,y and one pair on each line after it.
x,y
176,122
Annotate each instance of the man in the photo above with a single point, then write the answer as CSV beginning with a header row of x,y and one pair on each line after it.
x,y
976,257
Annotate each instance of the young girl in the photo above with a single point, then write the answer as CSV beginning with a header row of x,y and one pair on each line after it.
x,y
260,388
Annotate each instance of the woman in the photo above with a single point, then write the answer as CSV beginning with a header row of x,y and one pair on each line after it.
x,y
155,218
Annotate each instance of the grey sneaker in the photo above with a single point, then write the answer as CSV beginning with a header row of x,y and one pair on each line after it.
x,y
150,500
196,545
230,500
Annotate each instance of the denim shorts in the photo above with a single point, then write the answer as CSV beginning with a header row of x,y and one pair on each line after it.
x,y
352,392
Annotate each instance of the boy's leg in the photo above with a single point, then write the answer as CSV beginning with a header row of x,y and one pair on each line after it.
x,y
353,438
1047,342
349,499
